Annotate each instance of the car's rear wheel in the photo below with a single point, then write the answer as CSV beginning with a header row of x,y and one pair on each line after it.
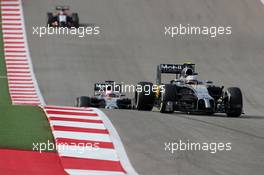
x,y
75,20
168,96
144,96
233,102
49,19
83,101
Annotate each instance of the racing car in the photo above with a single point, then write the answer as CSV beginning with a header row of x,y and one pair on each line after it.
x,y
62,17
106,95
186,93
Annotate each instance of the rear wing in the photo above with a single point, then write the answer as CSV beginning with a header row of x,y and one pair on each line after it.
x,y
62,8
172,69
100,88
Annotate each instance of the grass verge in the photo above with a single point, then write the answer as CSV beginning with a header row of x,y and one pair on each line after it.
x,y
20,126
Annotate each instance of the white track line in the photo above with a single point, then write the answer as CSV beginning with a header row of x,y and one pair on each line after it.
x,y
90,172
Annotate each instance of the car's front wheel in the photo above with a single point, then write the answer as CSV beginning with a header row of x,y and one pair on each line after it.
x,y
168,97
75,20
233,102
83,101
49,19
144,96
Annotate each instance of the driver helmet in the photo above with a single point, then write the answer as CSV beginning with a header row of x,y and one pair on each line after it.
x,y
191,79
187,72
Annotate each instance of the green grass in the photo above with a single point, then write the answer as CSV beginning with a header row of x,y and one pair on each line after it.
x,y
20,126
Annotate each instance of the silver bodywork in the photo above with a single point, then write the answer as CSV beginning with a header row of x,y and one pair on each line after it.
x,y
200,90
110,102
202,93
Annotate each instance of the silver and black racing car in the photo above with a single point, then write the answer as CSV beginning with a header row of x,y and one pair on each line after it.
x,y
106,95
62,17
188,94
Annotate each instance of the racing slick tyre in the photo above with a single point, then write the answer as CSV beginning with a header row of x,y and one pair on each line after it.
x,y
233,102
169,95
144,98
49,19
75,20
83,102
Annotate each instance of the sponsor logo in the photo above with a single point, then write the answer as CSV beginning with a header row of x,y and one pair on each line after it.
x,y
170,68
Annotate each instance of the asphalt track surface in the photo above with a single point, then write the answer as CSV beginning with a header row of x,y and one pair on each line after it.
x,y
131,44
